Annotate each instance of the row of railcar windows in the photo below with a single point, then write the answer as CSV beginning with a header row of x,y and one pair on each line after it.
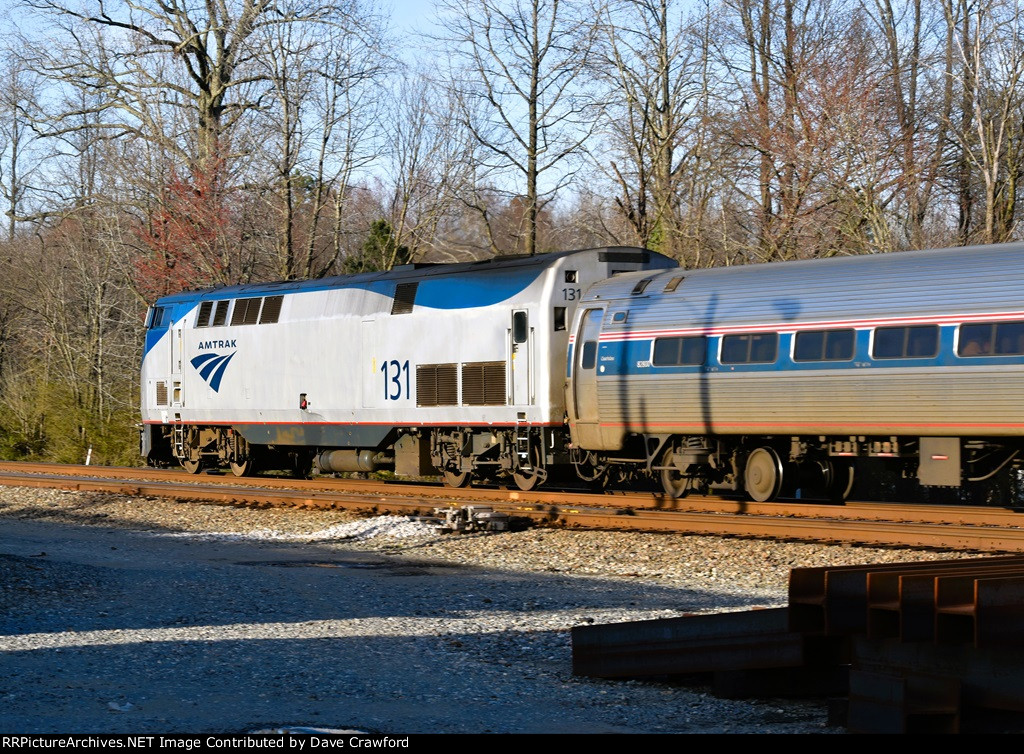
x,y
912,342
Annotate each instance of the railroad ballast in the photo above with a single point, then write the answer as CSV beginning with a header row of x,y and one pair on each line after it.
x,y
604,364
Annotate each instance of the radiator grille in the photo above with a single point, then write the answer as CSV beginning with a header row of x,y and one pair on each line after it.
x,y
161,393
436,385
247,311
483,383
271,309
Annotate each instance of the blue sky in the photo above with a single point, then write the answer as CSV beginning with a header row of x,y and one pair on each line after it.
x,y
411,15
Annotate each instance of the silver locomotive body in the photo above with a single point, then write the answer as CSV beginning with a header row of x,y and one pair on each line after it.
x,y
457,369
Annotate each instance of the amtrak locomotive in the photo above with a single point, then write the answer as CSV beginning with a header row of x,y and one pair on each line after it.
x,y
605,363
454,369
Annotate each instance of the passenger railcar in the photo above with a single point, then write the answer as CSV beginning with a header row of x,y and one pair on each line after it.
x,y
454,369
761,377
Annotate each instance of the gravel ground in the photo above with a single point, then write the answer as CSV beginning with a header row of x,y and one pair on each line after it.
x,y
141,615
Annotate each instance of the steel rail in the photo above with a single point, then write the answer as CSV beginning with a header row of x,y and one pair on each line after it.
x,y
941,535
620,499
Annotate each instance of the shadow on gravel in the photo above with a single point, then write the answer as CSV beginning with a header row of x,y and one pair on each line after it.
x,y
110,631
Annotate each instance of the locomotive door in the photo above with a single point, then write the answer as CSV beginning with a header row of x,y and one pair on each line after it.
x,y
584,377
520,359
177,356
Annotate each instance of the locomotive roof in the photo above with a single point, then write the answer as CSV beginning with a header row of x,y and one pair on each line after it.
x,y
405,273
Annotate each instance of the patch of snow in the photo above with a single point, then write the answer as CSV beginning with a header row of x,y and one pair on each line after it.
x,y
389,527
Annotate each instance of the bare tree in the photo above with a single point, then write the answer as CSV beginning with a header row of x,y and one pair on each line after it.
x,y
427,166
212,45
517,68
990,135
22,154
323,86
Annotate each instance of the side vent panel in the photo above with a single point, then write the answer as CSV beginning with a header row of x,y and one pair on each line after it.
x,y
483,383
436,385
161,393
405,297
246,312
271,310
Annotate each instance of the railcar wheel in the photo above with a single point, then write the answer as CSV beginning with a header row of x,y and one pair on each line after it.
x,y
457,479
192,467
673,482
839,482
762,477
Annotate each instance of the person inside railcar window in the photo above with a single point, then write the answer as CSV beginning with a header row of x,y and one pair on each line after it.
x,y
976,347
975,340
1010,338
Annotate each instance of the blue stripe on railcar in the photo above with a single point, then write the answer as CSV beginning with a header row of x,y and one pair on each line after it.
x,y
633,357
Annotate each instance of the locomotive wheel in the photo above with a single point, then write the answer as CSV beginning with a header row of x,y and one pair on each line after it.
x,y
243,468
192,467
457,479
528,480
672,481
762,477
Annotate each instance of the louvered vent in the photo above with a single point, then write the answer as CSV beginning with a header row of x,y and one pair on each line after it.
x,y
405,297
436,385
220,316
271,310
483,383
161,393
247,311
203,320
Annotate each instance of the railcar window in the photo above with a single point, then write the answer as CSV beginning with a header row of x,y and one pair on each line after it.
x,y
588,358
559,318
991,339
751,348
918,342
824,345
641,286
673,284
689,351
220,315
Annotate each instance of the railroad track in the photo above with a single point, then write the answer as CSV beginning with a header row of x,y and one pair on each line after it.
x,y
962,528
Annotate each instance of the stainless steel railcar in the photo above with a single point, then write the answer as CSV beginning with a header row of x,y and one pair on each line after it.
x,y
761,377
453,369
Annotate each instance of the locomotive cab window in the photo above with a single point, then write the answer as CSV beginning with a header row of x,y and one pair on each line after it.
x,y
752,348
670,352
824,345
991,339
159,318
917,342
559,318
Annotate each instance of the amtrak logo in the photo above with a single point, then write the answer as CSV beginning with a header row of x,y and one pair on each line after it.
x,y
211,367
